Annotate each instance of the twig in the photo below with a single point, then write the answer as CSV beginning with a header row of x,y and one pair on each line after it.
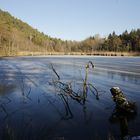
x,y
68,111
55,72
96,94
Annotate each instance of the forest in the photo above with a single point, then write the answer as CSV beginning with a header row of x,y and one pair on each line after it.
x,y
19,38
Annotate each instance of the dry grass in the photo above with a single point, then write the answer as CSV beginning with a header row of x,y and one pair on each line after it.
x,y
96,53
81,53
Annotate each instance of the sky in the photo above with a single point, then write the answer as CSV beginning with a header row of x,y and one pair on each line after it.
x,y
76,19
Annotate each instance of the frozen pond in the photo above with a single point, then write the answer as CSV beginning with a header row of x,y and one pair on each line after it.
x,y
31,105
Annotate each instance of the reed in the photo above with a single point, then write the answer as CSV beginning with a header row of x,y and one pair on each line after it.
x,y
95,53
66,88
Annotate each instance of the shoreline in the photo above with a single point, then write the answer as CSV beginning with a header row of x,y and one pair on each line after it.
x,y
115,54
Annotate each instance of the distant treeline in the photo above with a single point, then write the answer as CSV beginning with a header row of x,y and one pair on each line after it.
x,y
17,36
